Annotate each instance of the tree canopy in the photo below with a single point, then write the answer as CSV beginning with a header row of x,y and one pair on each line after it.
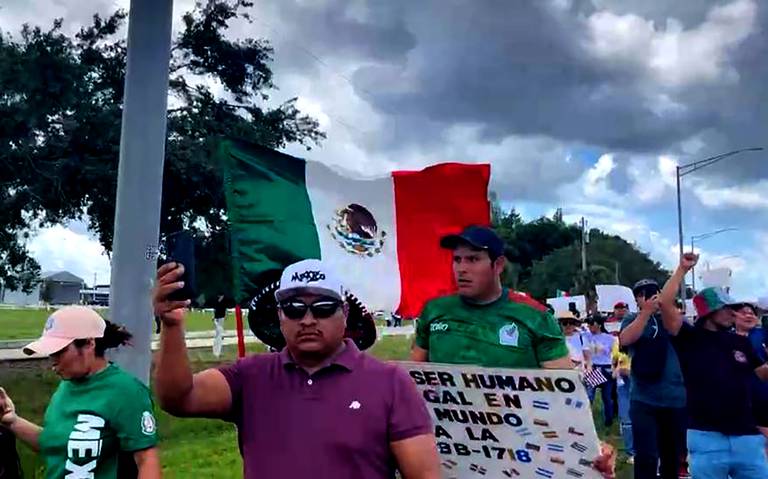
x,y
60,117
545,256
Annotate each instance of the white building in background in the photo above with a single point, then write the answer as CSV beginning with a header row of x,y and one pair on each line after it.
x,y
62,287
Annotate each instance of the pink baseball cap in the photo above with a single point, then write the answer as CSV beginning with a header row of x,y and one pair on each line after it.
x,y
64,326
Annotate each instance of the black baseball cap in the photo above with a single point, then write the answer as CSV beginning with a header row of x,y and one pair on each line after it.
x,y
477,237
644,285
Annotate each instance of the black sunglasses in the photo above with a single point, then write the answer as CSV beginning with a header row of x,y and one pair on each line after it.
x,y
322,309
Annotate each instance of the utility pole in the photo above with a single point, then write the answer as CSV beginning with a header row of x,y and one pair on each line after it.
x,y
584,241
140,179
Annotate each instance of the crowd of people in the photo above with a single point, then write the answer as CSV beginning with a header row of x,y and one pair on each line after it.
x,y
346,414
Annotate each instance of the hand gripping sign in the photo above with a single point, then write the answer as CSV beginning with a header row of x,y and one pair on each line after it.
x,y
509,423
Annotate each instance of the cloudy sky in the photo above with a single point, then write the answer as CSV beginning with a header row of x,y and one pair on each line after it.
x,y
586,105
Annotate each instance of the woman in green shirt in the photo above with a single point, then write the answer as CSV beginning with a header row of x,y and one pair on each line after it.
x,y
99,423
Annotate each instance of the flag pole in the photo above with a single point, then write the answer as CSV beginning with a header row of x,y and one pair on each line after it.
x,y
240,335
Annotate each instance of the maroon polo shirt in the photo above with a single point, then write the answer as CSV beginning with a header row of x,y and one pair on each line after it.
x,y
337,423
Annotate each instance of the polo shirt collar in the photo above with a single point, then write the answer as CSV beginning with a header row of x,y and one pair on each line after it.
x,y
347,358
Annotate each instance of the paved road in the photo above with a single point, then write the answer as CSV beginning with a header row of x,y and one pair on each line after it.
x,y
11,350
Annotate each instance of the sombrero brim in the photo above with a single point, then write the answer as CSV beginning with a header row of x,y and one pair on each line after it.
x,y
263,319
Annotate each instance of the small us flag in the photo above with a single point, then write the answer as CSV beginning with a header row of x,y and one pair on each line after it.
x,y
595,378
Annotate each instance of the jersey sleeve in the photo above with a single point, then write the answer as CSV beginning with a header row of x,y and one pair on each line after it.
x,y
549,342
135,424
422,328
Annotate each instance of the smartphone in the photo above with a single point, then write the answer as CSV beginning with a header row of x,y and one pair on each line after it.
x,y
180,248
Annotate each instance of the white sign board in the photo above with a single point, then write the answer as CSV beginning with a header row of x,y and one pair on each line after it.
x,y
610,294
560,305
716,278
508,423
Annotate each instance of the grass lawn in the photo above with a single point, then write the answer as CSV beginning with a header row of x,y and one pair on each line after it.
x,y
189,447
26,323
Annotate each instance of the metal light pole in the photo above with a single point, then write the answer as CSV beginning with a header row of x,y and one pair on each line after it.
x,y
686,170
700,237
140,178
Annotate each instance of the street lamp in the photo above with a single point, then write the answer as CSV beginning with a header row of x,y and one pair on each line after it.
x,y
699,238
686,170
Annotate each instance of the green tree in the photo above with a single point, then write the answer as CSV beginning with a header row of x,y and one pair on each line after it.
x,y
562,268
60,116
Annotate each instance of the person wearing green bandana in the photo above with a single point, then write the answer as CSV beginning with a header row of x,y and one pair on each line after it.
x,y
99,423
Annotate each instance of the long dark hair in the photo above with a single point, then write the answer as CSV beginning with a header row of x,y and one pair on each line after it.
x,y
114,336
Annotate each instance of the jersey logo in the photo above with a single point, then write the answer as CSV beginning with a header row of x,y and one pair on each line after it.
x,y
148,424
438,327
740,357
508,335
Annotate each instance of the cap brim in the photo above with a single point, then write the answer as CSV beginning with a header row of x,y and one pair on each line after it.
x,y
47,346
282,295
454,241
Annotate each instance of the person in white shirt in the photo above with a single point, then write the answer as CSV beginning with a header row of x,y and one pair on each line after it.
x,y
578,349
600,343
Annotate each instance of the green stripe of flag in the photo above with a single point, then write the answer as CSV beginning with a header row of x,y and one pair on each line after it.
x,y
269,211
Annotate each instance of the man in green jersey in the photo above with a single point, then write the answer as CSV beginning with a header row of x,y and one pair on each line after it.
x,y
485,324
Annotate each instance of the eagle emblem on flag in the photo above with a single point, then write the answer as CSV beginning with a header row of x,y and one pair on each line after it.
x,y
355,229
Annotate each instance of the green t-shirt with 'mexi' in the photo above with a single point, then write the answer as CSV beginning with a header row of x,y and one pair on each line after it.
x,y
504,334
91,422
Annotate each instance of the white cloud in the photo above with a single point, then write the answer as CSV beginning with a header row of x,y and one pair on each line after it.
x,y
671,55
595,179
58,248
748,196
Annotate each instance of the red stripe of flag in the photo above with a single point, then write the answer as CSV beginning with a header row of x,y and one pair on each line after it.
x,y
439,200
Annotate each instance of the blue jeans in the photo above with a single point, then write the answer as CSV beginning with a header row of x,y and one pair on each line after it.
x,y
717,456
624,419
606,393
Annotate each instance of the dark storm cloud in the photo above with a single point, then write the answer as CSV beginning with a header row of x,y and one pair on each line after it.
x,y
521,68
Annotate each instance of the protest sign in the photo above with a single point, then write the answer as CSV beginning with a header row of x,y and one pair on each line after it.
x,y
610,294
508,423
560,305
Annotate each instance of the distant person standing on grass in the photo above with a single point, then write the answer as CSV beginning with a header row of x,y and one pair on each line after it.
x,y
600,343
320,408
99,423
219,315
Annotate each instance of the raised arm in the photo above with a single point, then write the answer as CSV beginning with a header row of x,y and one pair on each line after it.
x,y
205,394
671,317
634,331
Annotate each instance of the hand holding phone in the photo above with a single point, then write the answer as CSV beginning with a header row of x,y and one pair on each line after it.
x,y
180,249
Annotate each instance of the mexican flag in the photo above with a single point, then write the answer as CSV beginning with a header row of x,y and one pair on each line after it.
x,y
382,235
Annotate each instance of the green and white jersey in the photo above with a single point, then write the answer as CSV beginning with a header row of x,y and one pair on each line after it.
x,y
90,422
511,332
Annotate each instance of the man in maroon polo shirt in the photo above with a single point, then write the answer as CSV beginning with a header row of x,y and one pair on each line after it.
x,y
318,409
